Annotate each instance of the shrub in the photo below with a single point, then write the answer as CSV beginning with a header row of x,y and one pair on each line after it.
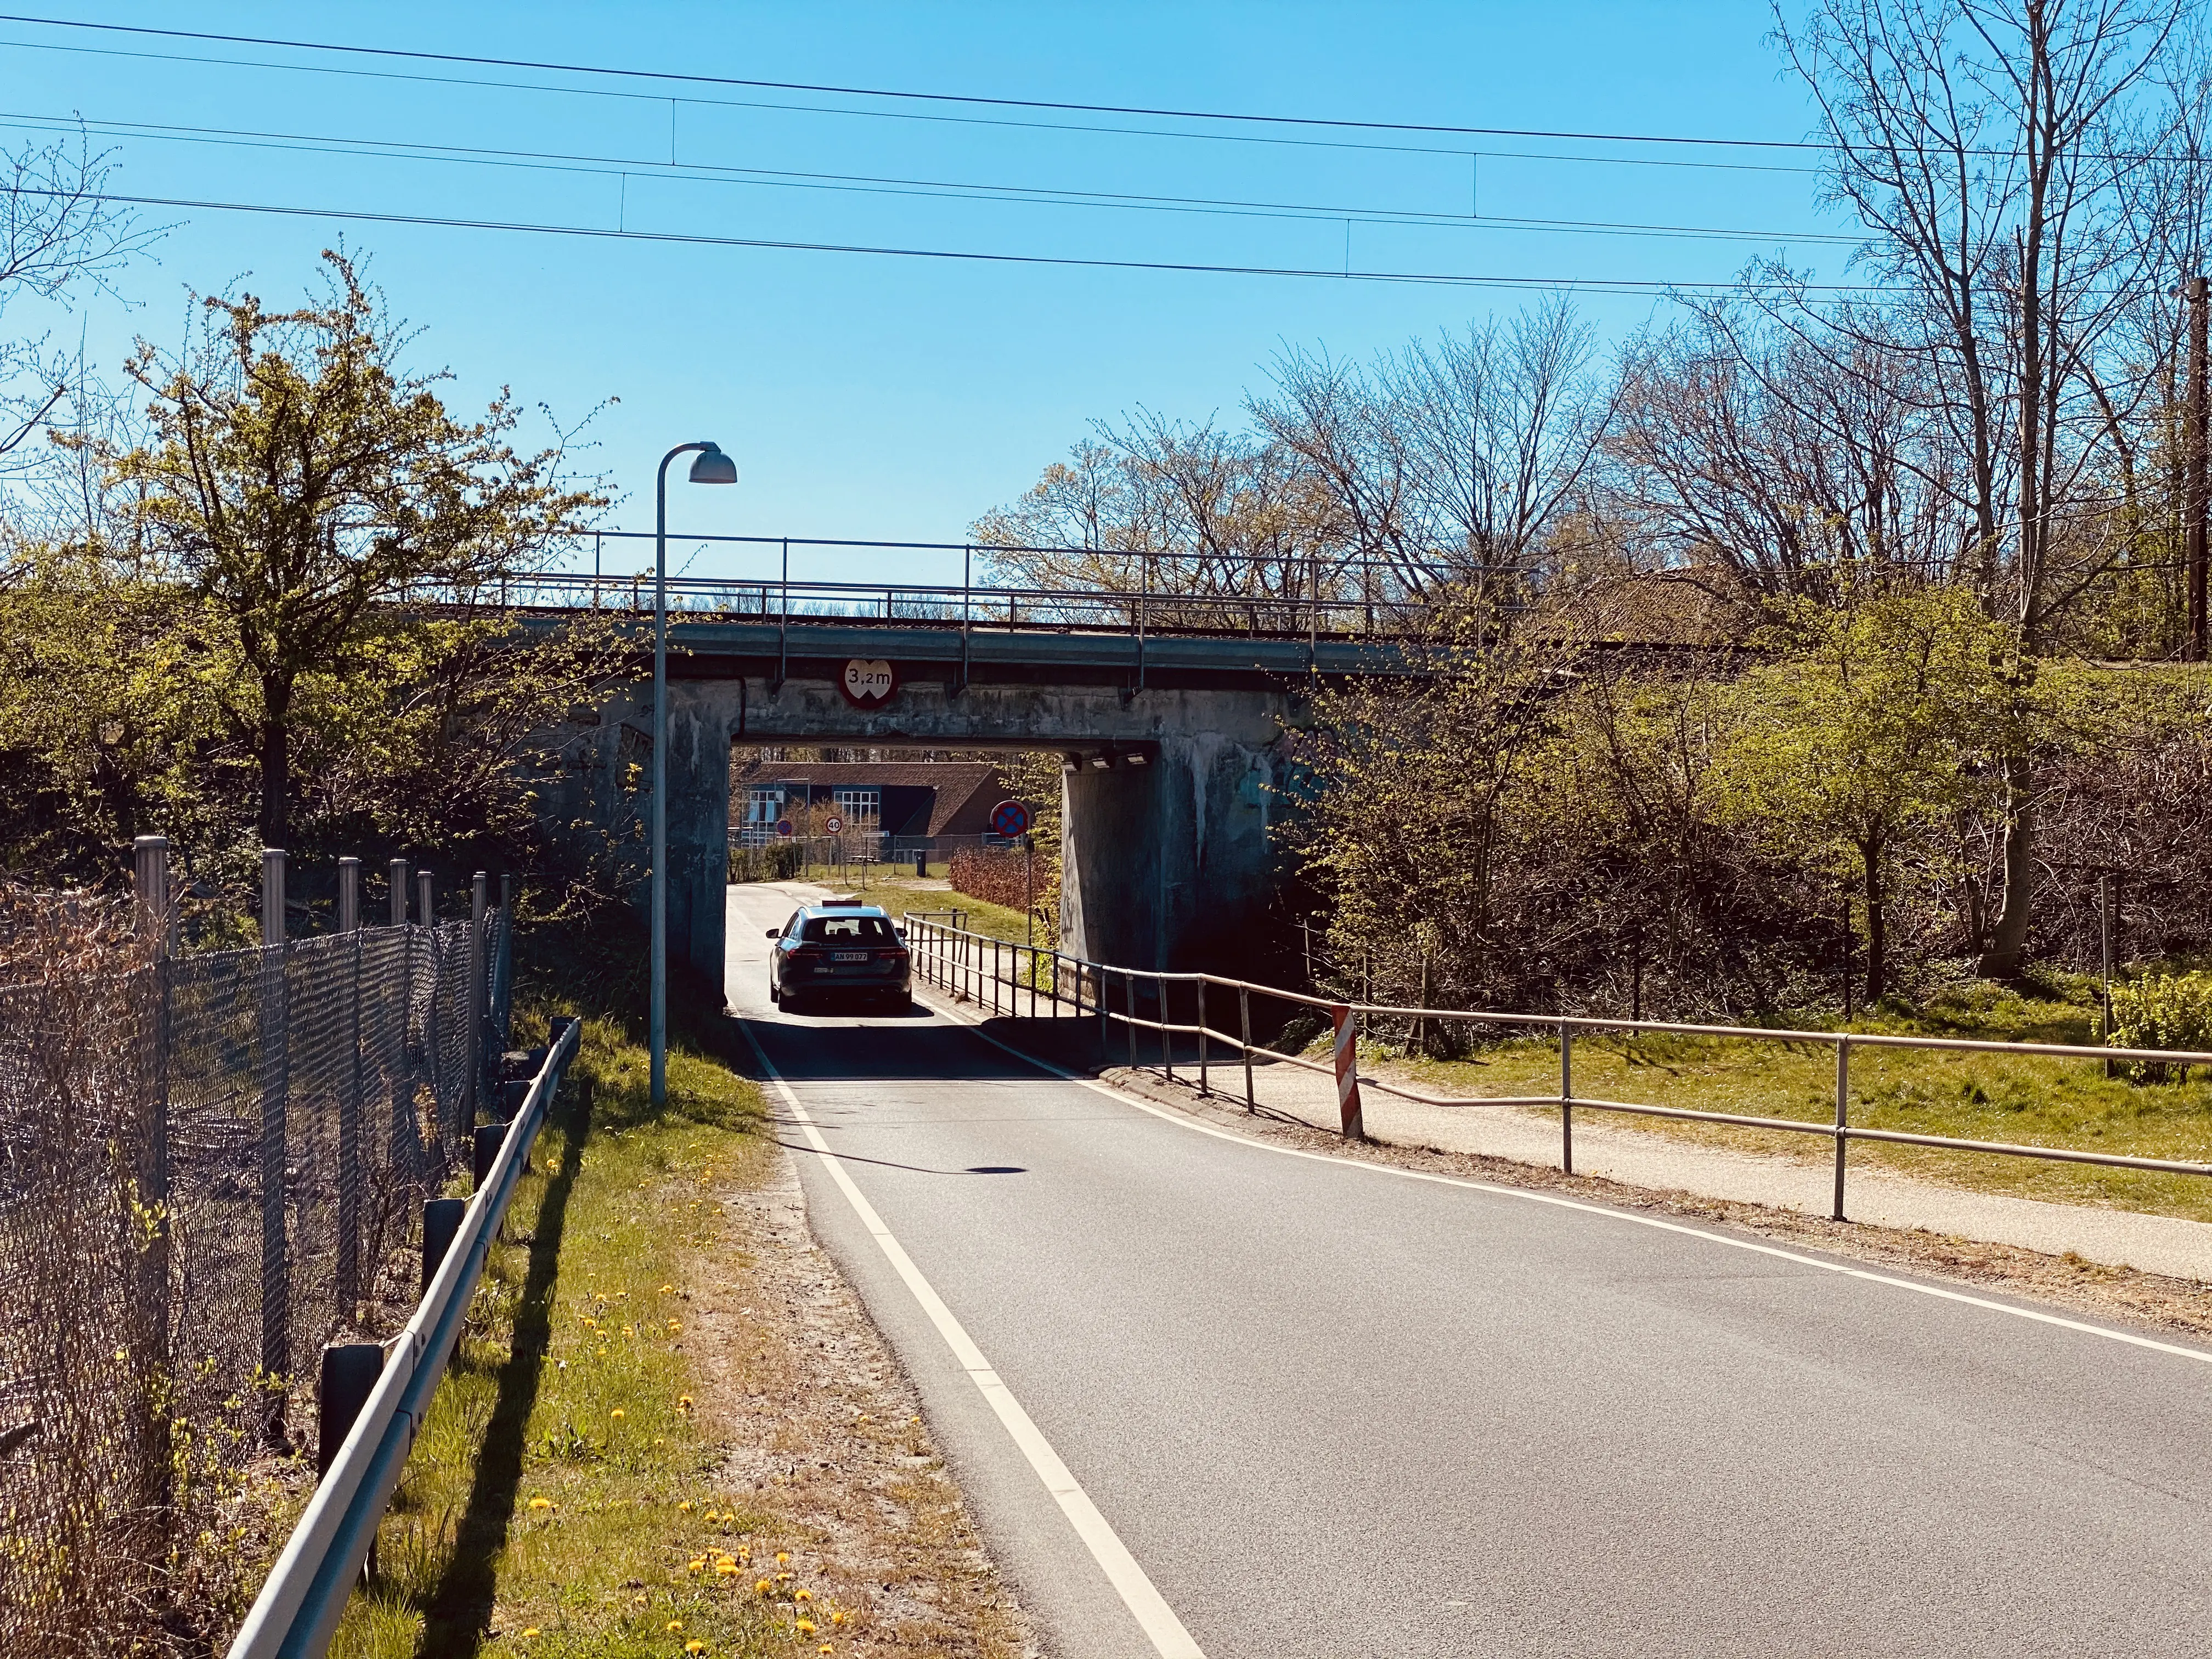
x,y
2161,1011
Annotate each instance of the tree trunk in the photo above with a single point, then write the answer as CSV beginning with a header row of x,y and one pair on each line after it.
x,y
2008,940
1877,973
275,782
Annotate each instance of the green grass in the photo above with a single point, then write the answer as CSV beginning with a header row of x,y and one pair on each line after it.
x,y
2051,1103
557,1491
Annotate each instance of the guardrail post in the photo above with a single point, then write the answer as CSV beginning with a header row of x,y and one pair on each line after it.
x,y
483,1149
1202,1087
1566,1098
441,1222
1244,1029
1167,1037
349,1372
1349,1116
1129,987
1843,1117
276,1087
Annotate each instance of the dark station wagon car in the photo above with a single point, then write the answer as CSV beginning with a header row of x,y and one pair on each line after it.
x,y
841,949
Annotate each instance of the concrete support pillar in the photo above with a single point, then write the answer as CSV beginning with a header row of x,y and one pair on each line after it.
x,y
1170,864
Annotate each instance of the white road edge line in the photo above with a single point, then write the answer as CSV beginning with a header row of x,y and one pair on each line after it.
x,y
1177,1118
1145,1604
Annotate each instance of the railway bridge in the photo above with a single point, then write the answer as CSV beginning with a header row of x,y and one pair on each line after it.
x,y
1171,713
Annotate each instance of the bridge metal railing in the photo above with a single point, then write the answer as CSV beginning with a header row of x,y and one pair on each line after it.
x,y
995,974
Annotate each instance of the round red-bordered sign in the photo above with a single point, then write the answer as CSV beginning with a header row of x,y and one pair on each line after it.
x,y
1010,818
833,825
868,683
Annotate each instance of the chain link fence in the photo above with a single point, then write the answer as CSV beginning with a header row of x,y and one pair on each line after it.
x,y
210,1168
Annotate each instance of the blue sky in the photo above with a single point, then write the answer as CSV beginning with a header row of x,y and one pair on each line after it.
x,y
892,398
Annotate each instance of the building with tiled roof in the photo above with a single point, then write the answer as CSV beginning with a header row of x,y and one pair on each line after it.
x,y
909,801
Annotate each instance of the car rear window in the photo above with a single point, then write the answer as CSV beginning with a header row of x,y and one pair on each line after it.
x,y
848,930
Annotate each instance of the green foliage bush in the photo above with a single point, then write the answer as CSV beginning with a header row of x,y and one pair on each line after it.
x,y
2161,1011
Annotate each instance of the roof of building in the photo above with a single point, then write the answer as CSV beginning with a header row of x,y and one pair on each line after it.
x,y
965,791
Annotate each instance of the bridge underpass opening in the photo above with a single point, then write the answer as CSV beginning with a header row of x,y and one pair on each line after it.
x,y
1167,865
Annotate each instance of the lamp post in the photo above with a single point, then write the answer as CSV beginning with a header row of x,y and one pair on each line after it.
x,y
713,467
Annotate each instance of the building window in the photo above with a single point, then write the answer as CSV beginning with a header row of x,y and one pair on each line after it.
x,y
861,809
762,808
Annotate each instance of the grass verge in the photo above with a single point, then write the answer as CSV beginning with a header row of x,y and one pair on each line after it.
x,y
612,1466
2050,1102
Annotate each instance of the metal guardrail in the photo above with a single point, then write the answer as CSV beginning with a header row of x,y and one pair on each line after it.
x,y
306,1592
958,961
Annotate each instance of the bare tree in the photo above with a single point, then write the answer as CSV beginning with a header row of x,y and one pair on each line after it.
x,y
1985,144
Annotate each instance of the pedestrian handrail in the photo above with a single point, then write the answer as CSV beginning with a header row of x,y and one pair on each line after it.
x,y
981,967
306,1592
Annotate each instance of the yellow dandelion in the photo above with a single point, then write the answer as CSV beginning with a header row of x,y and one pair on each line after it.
x,y
541,1502
695,1647
673,1625
763,1587
783,1557
674,1326
668,1290
697,1564
602,1353
804,1627
803,1596
684,1508
825,1648
682,1402
726,1569
838,1617
531,1634
617,1414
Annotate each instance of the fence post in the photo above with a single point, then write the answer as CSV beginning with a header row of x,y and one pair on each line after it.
x,y
474,1048
1843,1117
1349,1117
1202,1088
156,925
275,1083
1244,1029
1566,1098
423,915
398,881
349,1262
1167,1037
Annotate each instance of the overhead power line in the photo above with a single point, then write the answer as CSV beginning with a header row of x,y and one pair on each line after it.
x,y
1272,139
613,167
682,78
1628,285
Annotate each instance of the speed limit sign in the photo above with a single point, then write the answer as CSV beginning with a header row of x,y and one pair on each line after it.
x,y
833,824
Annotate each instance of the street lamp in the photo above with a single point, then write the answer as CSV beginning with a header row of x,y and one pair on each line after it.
x,y
713,467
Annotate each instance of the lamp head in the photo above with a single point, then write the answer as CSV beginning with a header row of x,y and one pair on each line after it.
x,y
713,467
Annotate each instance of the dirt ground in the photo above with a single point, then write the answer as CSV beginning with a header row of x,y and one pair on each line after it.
x,y
818,1428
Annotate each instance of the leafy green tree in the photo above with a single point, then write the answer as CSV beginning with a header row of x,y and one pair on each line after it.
x,y
1876,720
320,497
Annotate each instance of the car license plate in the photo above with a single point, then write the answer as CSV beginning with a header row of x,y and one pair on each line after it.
x,y
848,956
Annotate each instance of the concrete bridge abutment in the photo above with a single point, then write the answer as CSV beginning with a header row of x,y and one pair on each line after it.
x,y
1170,795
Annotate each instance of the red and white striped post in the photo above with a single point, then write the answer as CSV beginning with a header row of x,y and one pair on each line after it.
x,y
1347,1070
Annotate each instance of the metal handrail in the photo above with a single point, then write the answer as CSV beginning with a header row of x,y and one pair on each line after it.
x,y
1840,1132
306,1592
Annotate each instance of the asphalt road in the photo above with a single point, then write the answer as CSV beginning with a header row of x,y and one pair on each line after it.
x,y
1332,1412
